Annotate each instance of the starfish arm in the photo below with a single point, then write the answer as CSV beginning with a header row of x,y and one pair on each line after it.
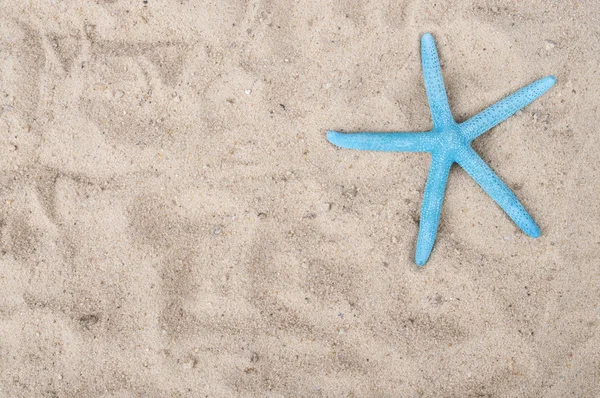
x,y
498,191
431,206
434,83
505,108
391,142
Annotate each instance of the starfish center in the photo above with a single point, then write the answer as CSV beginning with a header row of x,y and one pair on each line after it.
x,y
451,139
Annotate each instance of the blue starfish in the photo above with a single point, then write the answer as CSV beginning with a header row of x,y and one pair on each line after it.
x,y
450,142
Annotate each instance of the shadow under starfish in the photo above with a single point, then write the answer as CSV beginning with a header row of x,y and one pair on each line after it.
x,y
450,142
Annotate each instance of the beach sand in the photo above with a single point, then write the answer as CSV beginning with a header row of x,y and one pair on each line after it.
x,y
175,224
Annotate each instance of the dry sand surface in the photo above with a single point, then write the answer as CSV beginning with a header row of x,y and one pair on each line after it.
x,y
175,224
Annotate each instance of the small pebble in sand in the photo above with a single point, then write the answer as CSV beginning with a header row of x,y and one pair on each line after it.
x,y
118,94
248,92
217,230
549,44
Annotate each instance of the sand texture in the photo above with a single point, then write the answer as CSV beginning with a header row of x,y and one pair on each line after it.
x,y
175,224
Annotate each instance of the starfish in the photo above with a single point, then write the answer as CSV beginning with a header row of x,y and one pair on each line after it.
x,y
449,142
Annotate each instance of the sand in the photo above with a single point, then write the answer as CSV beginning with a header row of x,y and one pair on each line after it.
x,y
174,223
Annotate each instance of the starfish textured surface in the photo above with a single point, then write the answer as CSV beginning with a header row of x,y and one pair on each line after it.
x,y
450,142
